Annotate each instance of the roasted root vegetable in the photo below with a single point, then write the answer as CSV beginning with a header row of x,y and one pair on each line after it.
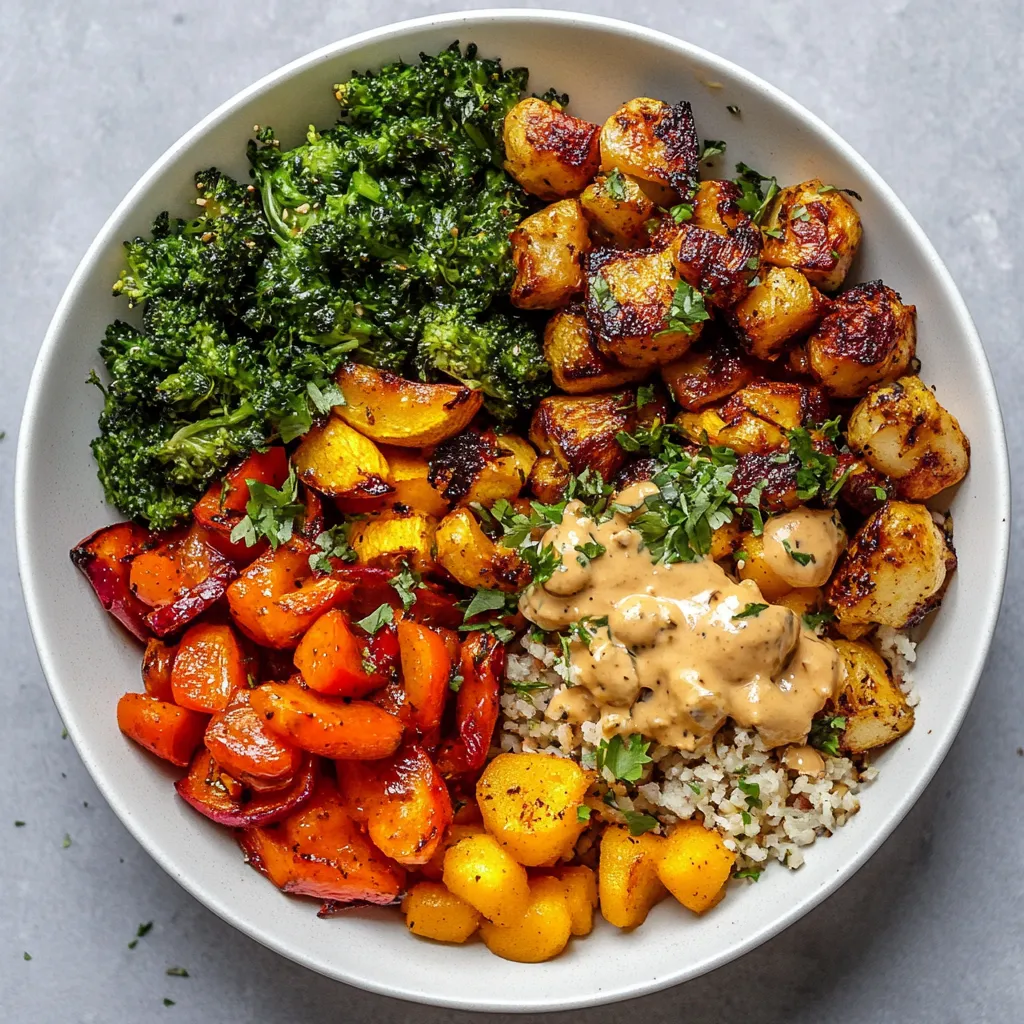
x,y
434,868
707,373
627,877
779,308
618,209
426,670
577,365
389,409
895,570
336,658
393,537
324,726
529,803
549,479
156,669
868,337
695,865
410,477
541,932
164,729
481,467
471,558
754,566
432,912
903,432
480,872
341,463
814,228
209,667
582,431
875,709
549,152
546,251
720,267
579,885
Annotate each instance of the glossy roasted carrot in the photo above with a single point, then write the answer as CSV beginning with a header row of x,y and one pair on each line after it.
x,y
426,670
240,742
327,726
157,576
402,800
209,667
156,669
165,729
335,658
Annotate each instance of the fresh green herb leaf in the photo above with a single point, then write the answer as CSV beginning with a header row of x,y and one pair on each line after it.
x,y
711,148
752,873
745,817
752,791
324,396
378,618
333,543
176,972
455,682
753,263
695,787
880,493
66,841
639,823
405,584
800,557
644,395
754,200
799,212
168,1002
615,185
682,212
589,551
583,629
26,956
602,294
687,309
751,610
825,734
624,761
583,813
740,556
270,512
495,627
485,601
773,232
823,189
835,254
526,685
815,620
133,943
144,929
19,824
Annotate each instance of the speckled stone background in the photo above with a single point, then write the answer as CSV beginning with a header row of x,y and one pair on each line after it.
x,y
91,92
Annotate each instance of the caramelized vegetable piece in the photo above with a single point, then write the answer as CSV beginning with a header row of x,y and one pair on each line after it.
x,y
156,669
104,557
628,880
695,865
402,800
481,467
577,364
333,658
581,431
471,558
579,884
219,797
480,872
410,472
707,374
338,461
782,306
546,250
164,729
392,410
319,851
324,726
209,668
434,868
871,701
617,209
541,932
432,912
239,741
389,538
426,669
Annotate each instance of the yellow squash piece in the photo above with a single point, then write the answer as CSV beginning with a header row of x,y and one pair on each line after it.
x,y
695,865
538,933
471,558
338,461
432,912
627,878
387,539
480,872
410,478
579,883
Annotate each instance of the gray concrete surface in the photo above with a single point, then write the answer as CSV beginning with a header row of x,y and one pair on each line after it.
x,y
90,93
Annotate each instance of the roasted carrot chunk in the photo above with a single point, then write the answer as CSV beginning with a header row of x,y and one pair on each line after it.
x,y
325,726
156,669
403,801
240,742
426,668
482,667
336,658
164,729
319,851
157,576
208,668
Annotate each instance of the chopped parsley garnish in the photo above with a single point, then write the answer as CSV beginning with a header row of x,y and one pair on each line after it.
x,y
583,630
880,493
752,873
712,148
773,232
639,823
752,791
816,472
741,556
526,685
495,627
822,189
745,817
695,787
624,761
583,813
487,601
687,309
333,543
405,584
681,212
615,185
754,201
589,551
799,212
378,618
644,395
271,512
602,294
325,398
750,611
815,620
800,557
176,972
455,682
825,733
753,263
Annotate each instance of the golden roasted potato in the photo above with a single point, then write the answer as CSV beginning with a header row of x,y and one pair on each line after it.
x,y
895,569
754,566
655,143
549,152
627,876
632,308
470,557
432,912
577,365
481,467
479,871
579,883
720,267
389,538
783,305
408,413
710,372
546,251
715,207
725,540
337,460
903,432
617,209
813,227
540,932
582,431
775,481
409,475
873,705
695,865
868,337
548,479
803,600
529,803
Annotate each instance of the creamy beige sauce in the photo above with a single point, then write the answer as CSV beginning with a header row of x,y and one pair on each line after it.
x,y
803,546
804,760
674,661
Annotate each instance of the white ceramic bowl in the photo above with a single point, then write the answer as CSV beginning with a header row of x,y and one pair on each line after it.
x,y
89,661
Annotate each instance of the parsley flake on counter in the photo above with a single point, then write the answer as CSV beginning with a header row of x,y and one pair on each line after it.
x,y
639,823
378,618
750,611
168,1002
624,762
176,972
66,841
26,956
19,824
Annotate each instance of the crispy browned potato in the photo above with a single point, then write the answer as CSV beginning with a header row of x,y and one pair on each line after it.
x,y
548,479
469,556
618,209
654,143
775,481
410,477
820,232
719,266
874,707
577,365
710,372
629,306
338,461
781,306
867,338
480,467
715,207
549,152
581,431
391,410
905,433
895,570
389,538
546,250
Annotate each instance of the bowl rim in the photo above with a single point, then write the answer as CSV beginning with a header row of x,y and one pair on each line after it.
x,y
991,599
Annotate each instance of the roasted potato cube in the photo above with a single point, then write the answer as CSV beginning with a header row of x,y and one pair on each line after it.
x,y
540,932
432,912
549,152
469,556
391,410
873,705
820,233
548,479
903,432
715,207
708,373
409,475
783,305
720,267
775,481
579,883
754,566
725,540
582,431
480,467
695,865
479,871
627,876
803,600
337,460
654,143
895,569
618,209
387,539
868,337
577,365
546,250
632,309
